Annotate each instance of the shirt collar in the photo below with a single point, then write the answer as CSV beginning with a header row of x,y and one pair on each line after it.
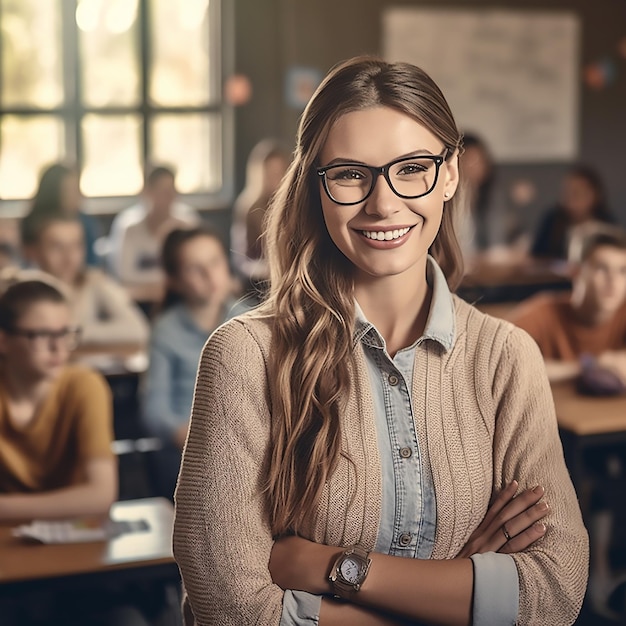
x,y
440,324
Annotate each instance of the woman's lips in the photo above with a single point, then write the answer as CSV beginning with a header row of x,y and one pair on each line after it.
x,y
386,238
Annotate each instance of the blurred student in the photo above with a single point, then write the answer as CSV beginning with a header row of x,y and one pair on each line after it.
x,y
199,298
55,419
137,233
590,323
9,243
101,307
59,194
592,319
582,200
488,228
267,163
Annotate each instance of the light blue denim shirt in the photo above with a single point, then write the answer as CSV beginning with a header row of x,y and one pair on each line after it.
x,y
409,510
176,344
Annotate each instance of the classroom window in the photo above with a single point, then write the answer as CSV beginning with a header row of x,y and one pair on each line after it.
x,y
112,85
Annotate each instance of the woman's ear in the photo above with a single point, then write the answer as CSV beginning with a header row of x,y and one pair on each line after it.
x,y
451,175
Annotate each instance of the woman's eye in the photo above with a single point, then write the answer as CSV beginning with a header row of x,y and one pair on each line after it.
x,y
412,168
347,174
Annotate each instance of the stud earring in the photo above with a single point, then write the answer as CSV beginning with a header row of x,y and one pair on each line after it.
x,y
446,194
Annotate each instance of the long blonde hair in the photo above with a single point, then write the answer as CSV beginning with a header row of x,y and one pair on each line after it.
x,y
311,301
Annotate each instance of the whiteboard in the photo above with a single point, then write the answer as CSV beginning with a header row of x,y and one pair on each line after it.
x,y
511,77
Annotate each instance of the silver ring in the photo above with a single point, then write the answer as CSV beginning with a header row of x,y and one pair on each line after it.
x,y
505,532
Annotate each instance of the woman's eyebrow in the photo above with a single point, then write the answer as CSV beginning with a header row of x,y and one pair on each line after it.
x,y
418,152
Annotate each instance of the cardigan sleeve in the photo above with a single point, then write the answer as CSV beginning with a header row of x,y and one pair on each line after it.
x,y
552,571
222,539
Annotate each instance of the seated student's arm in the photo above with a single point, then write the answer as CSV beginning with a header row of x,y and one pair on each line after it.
x,y
156,394
97,489
122,320
94,496
614,360
559,371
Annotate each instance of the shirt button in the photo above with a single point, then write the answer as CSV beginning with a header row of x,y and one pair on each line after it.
x,y
405,539
405,453
393,380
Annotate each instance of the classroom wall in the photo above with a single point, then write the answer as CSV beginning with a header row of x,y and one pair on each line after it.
x,y
273,35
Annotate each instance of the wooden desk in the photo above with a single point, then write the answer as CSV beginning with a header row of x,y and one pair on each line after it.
x,y
22,563
587,415
489,281
113,359
586,422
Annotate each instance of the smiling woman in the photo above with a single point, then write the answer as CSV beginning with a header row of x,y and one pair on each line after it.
x,y
386,444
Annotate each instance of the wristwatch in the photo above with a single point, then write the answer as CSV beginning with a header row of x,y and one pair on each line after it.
x,y
349,571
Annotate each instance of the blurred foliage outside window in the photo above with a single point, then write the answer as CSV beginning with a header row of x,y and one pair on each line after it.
x,y
112,85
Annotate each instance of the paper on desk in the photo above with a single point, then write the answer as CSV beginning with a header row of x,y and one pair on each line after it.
x,y
77,531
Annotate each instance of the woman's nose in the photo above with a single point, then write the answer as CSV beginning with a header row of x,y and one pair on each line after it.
x,y
382,201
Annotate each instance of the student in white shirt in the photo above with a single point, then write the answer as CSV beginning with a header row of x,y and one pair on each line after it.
x,y
138,232
101,307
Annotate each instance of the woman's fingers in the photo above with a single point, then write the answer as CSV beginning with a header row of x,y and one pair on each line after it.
x,y
510,516
517,527
527,518
502,499
524,539
519,504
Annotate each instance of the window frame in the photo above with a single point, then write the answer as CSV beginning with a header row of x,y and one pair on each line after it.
x,y
73,110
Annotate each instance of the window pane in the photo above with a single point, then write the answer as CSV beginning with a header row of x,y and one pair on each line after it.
x,y
192,144
180,71
112,161
28,145
32,61
109,52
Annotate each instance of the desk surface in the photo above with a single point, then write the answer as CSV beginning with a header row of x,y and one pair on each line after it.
x,y
21,561
586,415
528,272
113,359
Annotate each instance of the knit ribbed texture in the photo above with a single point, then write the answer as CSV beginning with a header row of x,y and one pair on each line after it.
x,y
483,410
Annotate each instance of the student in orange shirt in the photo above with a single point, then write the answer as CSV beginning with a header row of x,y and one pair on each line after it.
x,y
55,419
589,322
573,331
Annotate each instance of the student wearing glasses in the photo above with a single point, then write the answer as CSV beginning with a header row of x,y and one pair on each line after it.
x,y
55,419
366,448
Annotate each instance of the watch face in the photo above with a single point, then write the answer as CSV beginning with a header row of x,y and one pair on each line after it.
x,y
350,569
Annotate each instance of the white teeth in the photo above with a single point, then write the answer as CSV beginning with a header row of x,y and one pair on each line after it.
x,y
388,235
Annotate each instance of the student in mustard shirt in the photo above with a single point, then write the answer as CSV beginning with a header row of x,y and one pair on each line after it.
x,y
55,447
55,419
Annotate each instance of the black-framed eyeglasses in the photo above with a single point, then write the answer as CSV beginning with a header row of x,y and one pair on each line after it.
x,y
41,339
408,177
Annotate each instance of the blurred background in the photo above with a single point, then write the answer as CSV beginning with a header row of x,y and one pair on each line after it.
x,y
211,91
116,84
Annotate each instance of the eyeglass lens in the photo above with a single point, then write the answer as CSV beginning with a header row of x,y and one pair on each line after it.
x,y
351,183
42,339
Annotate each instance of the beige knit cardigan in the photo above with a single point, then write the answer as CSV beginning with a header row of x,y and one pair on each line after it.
x,y
483,410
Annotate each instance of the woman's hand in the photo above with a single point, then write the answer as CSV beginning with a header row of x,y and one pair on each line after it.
x,y
511,523
297,563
